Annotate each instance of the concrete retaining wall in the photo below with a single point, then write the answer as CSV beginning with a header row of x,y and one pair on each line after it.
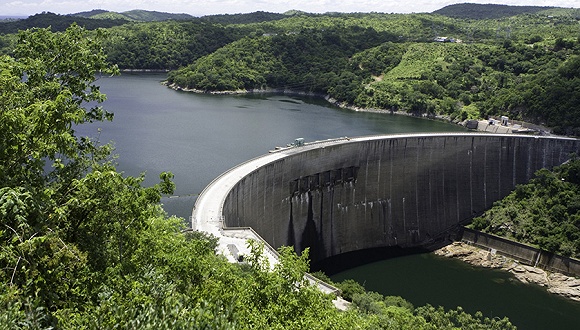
x,y
384,191
526,254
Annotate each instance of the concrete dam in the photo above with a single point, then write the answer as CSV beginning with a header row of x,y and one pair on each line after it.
x,y
347,195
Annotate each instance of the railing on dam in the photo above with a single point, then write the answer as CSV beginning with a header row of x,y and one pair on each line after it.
x,y
350,194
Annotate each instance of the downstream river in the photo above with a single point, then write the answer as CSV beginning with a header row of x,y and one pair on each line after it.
x,y
198,137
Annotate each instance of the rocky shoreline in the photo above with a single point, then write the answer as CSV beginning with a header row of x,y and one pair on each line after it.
x,y
241,91
566,286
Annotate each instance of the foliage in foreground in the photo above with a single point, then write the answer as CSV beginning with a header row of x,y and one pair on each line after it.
x,y
392,312
544,212
82,246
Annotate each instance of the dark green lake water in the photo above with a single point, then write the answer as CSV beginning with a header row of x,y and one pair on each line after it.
x,y
198,137
428,278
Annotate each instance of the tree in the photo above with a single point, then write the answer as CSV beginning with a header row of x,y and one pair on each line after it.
x,y
544,212
44,88
82,246
66,214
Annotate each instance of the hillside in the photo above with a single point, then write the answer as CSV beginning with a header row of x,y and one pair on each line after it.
x,y
56,22
133,15
487,11
525,68
255,17
544,212
90,14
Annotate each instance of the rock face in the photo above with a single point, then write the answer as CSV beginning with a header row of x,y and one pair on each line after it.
x,y
560,284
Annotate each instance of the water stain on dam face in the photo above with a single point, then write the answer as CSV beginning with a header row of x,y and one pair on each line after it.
x,y
380,192
307,194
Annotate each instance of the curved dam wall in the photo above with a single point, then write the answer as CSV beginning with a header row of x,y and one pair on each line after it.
x,y
382,191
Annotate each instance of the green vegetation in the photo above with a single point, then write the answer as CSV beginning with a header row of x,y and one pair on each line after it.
x,y
56,22
487,11
306,61
522,62
256,17
544,213
525,67
165,45
83,246
133,15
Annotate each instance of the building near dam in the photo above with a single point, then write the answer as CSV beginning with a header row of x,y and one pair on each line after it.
x,y
352,194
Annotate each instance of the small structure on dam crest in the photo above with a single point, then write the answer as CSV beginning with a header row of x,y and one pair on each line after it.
x,y
345,195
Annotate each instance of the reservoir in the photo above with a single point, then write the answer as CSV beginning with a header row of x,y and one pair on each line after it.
x,y
198,137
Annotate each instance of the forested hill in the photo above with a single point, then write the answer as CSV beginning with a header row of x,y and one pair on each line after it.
x,y
56,22
133,15
90,20
255,17
487,11
527,68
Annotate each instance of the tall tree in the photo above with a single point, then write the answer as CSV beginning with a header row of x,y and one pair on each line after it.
x,y
66,215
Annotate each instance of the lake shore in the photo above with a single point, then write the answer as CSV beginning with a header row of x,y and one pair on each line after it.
x,y
490,125
565,286
483,125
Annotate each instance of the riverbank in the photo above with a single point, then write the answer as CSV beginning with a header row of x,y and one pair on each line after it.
x,y
566,286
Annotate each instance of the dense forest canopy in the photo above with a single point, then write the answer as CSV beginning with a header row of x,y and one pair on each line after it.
x,y
256,17
487,11
134,15
56,22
